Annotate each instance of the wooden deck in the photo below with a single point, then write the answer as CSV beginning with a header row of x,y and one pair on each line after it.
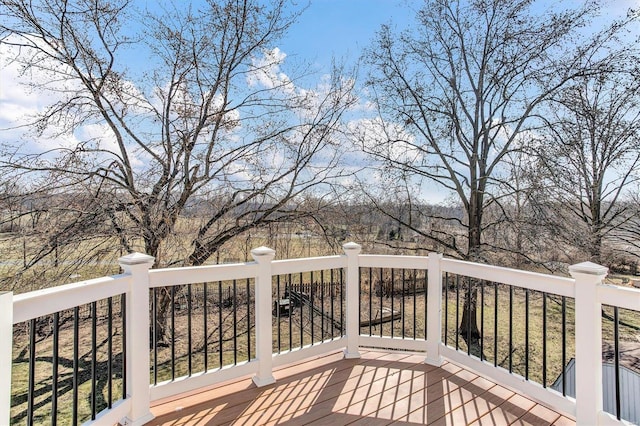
x,y
380,388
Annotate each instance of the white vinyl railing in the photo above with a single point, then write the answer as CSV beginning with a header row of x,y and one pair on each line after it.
x,y
586,287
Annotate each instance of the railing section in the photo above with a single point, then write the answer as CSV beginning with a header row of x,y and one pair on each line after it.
x,y
526,332
200,327
80,351
515,325
69,361
69,365
308,308
393,302
620,362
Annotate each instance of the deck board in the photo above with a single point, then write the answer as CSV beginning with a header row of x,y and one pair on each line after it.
x,y
380,388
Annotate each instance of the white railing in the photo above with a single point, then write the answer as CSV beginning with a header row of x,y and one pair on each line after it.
x,y
586,287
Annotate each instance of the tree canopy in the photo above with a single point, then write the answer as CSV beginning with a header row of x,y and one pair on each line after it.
x,y
211,120
460,91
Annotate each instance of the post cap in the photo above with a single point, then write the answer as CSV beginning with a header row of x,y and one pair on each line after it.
x,y
136,259
262,251
588,268
352,246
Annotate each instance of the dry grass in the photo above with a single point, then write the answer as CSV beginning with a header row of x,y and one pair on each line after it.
x,y
43,373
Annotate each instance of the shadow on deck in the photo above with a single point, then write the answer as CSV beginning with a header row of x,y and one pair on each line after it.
x,y
378,389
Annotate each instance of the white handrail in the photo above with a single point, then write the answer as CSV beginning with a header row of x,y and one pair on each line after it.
x,y
392,261
308,264
47,301
200,274
532,280
622,297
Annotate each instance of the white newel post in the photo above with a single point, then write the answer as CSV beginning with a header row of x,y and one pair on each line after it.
x,y
434,310
6,345
264,332
137,265
352,250
588,359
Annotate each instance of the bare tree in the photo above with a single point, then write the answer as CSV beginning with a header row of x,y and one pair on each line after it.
x,y
457,91
211,119
591,150
522,231
628,234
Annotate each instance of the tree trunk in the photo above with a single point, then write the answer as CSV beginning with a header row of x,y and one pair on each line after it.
x,y
469,323
468,328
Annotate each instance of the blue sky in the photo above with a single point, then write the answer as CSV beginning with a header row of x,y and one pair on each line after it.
x,y
326,29
341,28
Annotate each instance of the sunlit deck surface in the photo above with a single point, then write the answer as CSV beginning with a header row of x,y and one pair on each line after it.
x,y
378,389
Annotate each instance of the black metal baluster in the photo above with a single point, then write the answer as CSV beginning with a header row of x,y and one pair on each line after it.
x,y
110,353
332,289
154,333
235,322
32,370
370,301
322,305
189,329
248,320
482,320
205,330
290,284
342,325
426,285
495,324
360,293
54,369
469,282
381,291
393,282
510,329
544,340
277,305
74,380
402,308
311,304
457,311
301,313
415,278
616,357
526,334
220,331
446,307
564,345
94,338
123,314
173,332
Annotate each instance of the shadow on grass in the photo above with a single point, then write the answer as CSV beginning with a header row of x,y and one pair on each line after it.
x,y
43,390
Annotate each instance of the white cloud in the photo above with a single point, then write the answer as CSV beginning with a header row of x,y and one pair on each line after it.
x,y
266,71
26,95
388,139
18,102
23,99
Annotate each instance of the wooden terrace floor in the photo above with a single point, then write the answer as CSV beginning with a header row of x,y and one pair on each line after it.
x,y
380,388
